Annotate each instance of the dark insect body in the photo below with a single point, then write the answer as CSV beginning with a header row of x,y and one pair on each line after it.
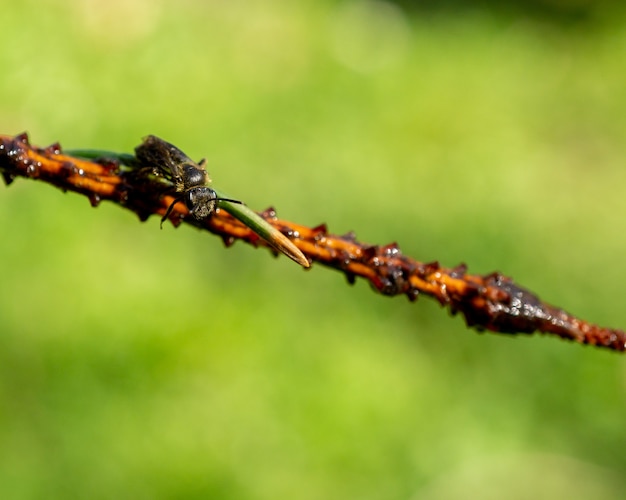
x,y
190,178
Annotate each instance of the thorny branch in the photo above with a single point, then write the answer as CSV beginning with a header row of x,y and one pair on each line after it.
x,y
492,302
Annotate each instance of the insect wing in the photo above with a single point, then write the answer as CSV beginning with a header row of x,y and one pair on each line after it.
x,y
165,158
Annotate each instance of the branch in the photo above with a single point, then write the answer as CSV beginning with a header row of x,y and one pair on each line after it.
x,y
490,302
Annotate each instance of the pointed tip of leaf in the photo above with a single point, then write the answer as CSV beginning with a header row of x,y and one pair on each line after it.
x,y
295,254
265,230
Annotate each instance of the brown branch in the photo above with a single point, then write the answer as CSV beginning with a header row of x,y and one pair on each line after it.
x,y
492,302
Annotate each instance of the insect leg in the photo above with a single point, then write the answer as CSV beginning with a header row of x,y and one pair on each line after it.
x,y
169,209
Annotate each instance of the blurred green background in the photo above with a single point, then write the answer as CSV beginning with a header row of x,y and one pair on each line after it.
x,y
138,363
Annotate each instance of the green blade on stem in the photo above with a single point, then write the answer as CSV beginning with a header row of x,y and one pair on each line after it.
x,y
264,229
94,154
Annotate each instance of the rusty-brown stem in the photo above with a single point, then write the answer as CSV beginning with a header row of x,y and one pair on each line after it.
x,y
493,302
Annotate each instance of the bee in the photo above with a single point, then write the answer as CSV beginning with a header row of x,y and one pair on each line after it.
x,y
190,179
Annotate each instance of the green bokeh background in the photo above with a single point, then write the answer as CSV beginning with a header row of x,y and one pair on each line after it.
x,y
138,363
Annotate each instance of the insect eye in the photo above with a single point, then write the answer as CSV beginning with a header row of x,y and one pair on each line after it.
x,y
192,198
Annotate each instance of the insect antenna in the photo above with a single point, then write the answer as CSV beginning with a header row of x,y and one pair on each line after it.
x,y
228,199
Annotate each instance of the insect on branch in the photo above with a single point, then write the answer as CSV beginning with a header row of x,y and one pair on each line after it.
x,y
491,302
